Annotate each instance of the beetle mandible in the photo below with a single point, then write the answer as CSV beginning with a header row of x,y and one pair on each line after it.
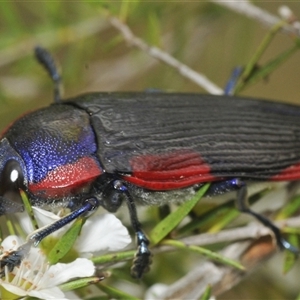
x,y
101,149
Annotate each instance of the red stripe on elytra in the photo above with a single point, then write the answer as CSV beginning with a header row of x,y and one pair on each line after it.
x,y
290,173
169,171
63,179
171,184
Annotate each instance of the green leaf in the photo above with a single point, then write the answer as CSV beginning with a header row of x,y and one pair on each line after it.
x,y
124,10
154,32
209,217
28,209
263,71
10,227
224,221
7,295
298,297
79,283
290,258
172,220
207,293
10,16
212,219
289,209
113,257
65,244
253,63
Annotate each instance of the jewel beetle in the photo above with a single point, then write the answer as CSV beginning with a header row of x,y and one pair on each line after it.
x,y
103,149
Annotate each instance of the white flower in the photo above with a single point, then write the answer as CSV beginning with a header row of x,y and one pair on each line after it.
x,y
100,233
36,278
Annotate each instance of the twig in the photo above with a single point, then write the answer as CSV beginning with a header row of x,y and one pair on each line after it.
x,y
253,230
248,9
157,53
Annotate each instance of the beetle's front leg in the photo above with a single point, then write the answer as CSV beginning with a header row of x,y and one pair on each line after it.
x,y
114,194
14,258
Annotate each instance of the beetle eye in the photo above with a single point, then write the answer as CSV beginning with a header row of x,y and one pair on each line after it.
x,y
11,180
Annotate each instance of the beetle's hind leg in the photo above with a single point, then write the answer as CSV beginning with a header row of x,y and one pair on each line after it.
x,y
243,206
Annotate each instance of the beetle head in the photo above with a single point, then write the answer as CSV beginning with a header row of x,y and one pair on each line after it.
x,y
12,179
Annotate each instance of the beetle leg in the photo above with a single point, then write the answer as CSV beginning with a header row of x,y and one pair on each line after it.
x,y
243,206
13,258
142,259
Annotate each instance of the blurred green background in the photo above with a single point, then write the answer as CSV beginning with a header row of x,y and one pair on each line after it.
x,y
93,57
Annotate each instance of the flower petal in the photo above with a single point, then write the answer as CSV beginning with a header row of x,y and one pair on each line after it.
x,y
60,273
102,232
12,242
43,217
13,289
51,293
25,222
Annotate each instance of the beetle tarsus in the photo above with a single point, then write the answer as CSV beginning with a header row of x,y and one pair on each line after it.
x,y
284,244
11,259
142,260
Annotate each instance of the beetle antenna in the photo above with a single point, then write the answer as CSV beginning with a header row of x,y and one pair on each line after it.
x,y
46,59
